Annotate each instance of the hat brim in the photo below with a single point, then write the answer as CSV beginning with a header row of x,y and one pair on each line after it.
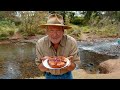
x,y
64,26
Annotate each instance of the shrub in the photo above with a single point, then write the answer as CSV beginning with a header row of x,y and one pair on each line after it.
x,y
11,33
77,20
3,36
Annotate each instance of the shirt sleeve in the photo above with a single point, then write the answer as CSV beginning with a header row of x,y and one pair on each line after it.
x,y
38,54
75,53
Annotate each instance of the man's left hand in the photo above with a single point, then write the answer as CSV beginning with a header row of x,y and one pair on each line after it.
x,y
70,58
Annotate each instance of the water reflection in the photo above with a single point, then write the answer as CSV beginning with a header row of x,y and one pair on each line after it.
x,y
17,61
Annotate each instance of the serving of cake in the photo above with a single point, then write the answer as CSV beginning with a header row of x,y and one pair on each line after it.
x,y
57,61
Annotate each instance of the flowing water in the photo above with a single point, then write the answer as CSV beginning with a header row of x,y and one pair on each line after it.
x,y
17,59
92,54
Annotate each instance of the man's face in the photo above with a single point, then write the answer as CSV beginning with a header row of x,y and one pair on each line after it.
x,y
55,33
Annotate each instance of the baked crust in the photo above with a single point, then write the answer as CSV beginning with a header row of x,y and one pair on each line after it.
x,y
57,62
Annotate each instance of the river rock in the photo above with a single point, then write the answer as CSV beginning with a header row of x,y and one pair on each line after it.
x,y
110,66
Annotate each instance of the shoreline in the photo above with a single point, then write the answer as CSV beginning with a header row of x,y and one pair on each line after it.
x,y
82,74
33,39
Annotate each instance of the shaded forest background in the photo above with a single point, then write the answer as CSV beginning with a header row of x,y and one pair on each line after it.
x,y
99,23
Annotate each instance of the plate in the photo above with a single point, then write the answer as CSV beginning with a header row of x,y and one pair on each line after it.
x,y
45,63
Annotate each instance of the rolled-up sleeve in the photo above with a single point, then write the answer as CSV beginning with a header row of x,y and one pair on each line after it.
x,y
75,53
38,54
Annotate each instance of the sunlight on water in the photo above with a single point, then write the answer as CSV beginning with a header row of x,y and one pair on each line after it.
x,y
110,48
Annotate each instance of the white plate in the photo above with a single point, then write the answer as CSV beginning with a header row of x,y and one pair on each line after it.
x,y
45,63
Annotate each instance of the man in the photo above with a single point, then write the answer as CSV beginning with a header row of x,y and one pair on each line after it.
x,y
56,43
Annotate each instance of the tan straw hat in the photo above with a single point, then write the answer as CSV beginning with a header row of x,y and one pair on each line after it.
x,y
55,20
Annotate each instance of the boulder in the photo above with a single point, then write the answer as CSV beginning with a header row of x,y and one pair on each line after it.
x,y
110,66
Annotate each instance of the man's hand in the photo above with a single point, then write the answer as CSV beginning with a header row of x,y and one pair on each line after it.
x,y
42,68
72,64
44,58
70,58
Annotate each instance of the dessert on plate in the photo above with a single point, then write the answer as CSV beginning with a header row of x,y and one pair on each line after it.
x,y
57,61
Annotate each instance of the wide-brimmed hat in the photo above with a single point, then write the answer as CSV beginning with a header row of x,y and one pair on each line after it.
x,y
55,20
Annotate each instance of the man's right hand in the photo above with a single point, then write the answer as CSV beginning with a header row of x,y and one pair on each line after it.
x,y
44,58
42,68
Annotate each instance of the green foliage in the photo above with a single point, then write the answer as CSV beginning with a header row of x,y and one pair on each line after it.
x,y
106,29
77,20
3,36
86,29
30,22
5,23
93,22
75,31
41,32
11,32
109,31
7,28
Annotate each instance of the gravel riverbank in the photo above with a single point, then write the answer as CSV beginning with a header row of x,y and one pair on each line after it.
x,y
81,74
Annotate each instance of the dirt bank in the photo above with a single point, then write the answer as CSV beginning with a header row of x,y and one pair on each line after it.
x,y
33,39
